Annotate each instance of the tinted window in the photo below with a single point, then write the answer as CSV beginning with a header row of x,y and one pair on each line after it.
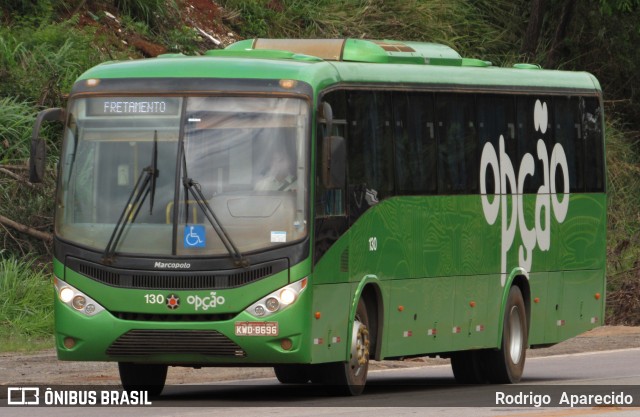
x,y
457,144
369,146
497,118
426,143
529,132
568,133
593,144
415,143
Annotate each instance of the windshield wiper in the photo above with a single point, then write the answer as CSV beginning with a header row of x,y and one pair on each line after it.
x,y
154,170
145,185
196,191
191,186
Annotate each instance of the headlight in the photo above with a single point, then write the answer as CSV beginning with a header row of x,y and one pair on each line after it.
x,y
76,299
277,300
288,296
66,294
79,302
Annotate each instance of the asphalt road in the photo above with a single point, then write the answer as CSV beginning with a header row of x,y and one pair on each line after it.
x,y
429,390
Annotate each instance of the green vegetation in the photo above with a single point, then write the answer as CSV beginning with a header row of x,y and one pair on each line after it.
x,y
623,254
148,11
16,120
26,316
40,57
443,21
45,45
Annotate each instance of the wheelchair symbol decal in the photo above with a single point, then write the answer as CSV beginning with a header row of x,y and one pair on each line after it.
x,y
194,236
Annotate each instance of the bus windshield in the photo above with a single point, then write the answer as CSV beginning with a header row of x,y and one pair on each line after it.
x,y
245,156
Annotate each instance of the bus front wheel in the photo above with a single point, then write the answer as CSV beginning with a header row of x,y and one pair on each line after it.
x,y
505,366
349,378
293,374
143,377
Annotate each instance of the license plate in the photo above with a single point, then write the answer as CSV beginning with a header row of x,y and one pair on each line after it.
x,y
256,328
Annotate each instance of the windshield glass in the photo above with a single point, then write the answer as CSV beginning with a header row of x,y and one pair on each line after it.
x,y
247,156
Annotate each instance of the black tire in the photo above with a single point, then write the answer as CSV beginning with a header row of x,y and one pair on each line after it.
x,y
349,378
293,374
467,367
505,366
143,377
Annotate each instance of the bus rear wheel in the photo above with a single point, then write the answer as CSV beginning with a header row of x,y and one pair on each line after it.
x,y
143,377
505,366
467,367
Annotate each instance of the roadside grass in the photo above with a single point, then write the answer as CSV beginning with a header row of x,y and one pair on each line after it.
x,y
623,237
26,306
16,121
41,65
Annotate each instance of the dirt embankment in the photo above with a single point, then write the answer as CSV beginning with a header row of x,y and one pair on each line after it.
x,y
43,367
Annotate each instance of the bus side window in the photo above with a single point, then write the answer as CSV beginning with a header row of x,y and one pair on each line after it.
x,y
528,136
594,145
415,143
568,133
457,144
369,150
496,118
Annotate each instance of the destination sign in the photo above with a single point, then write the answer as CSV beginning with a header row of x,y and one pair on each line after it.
x,y
133,106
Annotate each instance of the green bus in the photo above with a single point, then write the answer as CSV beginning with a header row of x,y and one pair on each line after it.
x,y
312,205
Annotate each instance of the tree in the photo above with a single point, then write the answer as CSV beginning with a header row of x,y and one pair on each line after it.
x,y
561,33
532,35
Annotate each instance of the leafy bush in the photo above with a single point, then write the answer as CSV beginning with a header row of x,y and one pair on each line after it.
x,y
28,206
32,10
42,66
26,312
623,254
149,11
16,122
181,39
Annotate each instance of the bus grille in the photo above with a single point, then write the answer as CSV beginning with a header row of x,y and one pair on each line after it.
x,y
172,317
158,342
176,280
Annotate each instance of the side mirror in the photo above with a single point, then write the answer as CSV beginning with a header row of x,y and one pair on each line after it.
x,y
37,159
334,155
326,113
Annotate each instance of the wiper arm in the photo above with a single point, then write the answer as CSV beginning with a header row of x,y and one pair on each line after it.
x,y
154,170
194,187
145,184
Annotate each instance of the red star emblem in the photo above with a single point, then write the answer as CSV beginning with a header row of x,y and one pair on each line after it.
x,y
173,302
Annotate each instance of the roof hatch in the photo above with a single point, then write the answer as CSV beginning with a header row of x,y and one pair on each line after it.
x,y
358,50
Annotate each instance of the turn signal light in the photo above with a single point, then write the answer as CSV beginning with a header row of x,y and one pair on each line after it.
x,y
288,84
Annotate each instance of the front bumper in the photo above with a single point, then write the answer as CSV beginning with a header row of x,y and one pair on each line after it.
x,y
180,341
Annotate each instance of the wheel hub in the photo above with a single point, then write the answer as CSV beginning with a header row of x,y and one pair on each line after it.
x,y
515,335
359,348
